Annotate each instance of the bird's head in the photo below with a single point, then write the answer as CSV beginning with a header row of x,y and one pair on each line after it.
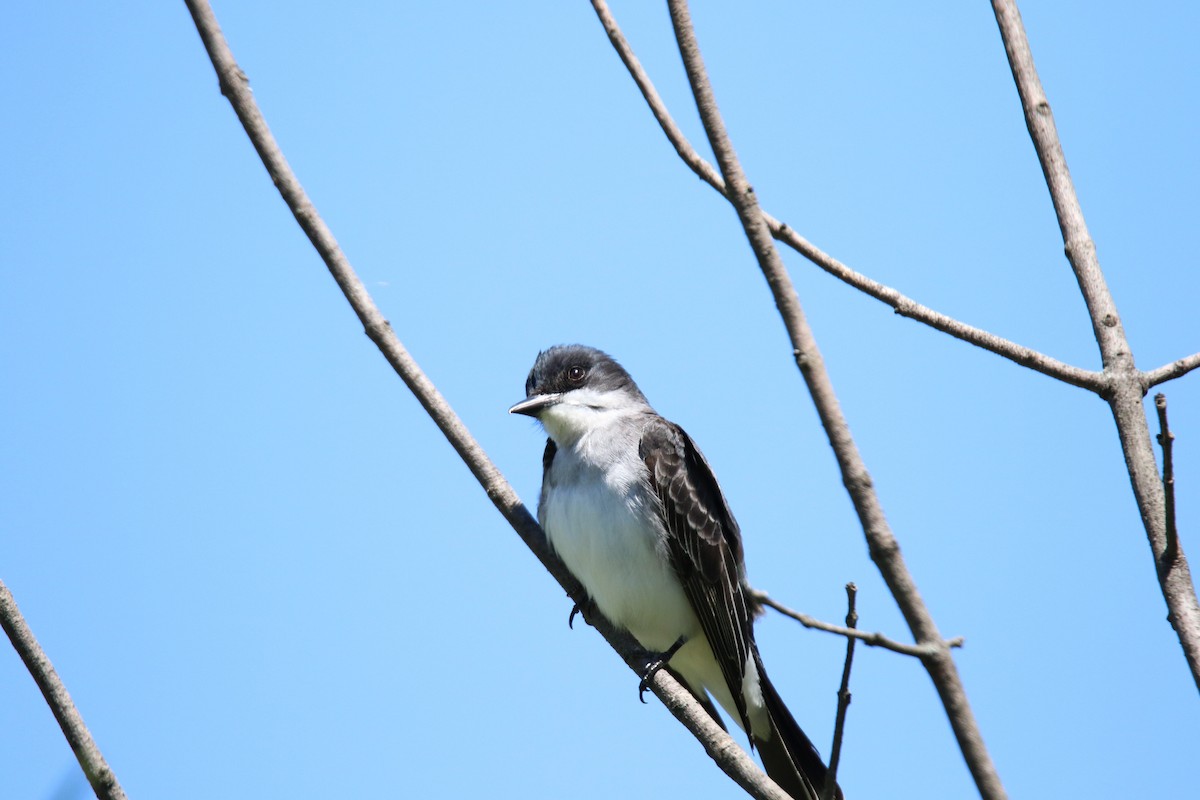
x,y
573,389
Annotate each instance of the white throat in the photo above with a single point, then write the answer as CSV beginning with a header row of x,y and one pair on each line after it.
x,y
584,411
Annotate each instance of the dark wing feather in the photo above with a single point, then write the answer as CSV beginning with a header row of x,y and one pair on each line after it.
x,y
704,546
547,460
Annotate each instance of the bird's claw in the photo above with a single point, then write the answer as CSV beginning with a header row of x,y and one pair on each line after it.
x,y
585,608
651,670
655,664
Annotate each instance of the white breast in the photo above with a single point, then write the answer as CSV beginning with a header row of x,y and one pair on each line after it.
x,y
596,523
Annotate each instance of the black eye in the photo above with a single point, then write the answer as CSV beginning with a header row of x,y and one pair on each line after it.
x,y
576,374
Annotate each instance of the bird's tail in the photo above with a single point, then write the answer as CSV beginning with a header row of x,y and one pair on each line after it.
x,y
788,756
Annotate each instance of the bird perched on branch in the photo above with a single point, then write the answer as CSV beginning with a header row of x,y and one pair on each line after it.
x,y
632,508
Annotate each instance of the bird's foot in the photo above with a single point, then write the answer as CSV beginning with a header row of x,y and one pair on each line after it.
x,y
656,663
586,608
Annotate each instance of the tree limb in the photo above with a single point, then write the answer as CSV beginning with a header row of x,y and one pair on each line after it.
x,y
829,790
1168,372
1166,440
1126,386
731,758
884,549
904,306
100,776
870,639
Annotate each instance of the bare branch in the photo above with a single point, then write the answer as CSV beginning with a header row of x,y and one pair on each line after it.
x,y
904,306
100,776
884,549
870,639
1078,244
1166,440
1169,372
234,85
907,307
829,791
1126,386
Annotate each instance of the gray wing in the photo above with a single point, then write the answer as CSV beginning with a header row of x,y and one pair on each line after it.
x,y
704,546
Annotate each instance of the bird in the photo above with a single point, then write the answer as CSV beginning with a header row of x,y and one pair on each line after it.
x,y
632,508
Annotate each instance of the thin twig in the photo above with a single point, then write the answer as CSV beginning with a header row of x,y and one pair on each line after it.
x,y
839,725
870,639
100,776
1167,372
1126,386
1166,440
731,758
904,306
882,544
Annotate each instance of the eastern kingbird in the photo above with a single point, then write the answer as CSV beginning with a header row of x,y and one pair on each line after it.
x,y
634,511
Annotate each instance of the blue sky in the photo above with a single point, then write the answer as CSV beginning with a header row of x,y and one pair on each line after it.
x,y
262,572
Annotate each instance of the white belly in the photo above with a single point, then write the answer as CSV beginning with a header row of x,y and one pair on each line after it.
x,y
595,529
595,524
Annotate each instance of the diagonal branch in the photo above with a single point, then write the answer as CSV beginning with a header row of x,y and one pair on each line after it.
x,y
884,549
870,639
731,758
100,776
1126,386
1169,372
904,306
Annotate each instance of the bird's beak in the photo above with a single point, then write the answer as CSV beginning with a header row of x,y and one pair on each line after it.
x,y
534,404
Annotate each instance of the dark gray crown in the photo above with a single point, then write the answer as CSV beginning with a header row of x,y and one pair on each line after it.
x,y
576,366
